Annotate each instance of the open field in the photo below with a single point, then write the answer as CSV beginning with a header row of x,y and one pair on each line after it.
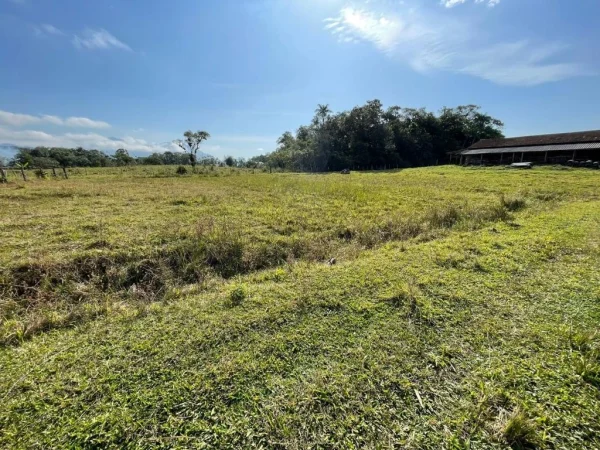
x,y
139,309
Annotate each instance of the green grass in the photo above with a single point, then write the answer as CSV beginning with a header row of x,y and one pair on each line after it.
x,y
462,311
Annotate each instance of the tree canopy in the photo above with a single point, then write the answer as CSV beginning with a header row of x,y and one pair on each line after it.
x,y
370,136
191,143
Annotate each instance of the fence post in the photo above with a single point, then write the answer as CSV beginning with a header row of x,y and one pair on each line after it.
x,y
23,174
65,172
4,178
54,172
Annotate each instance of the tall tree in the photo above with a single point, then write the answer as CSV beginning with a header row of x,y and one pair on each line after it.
x,y
321,114
122,157
191,143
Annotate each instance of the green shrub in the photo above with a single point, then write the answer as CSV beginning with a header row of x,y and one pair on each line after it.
x,y
181,170
237,295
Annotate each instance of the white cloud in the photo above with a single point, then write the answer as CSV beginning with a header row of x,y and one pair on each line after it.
x,y
54,120
46,30
99,40
51,29
33,138
217,147
84,122
490,3
19,120
429,43
453,3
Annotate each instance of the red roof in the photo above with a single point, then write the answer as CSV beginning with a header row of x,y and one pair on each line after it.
x,y
545,139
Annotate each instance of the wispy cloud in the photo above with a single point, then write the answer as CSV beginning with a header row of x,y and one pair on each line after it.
x,y
84,122
453,3
428,42
99,40
54,120
46,29
20,120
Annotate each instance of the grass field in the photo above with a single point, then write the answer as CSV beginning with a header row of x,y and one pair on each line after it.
x,y
140,309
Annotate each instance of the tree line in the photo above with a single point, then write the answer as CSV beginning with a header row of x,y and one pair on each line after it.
x,y
366,137
371,137
57,157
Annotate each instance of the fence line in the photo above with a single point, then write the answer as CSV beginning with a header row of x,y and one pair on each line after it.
x,y
5,170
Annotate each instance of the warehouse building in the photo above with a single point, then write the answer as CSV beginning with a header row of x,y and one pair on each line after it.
x,y
577,148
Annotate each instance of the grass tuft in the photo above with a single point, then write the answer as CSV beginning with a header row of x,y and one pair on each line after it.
x,y
519,432
513,203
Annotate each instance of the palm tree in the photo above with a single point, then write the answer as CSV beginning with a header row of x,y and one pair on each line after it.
x,y
322,112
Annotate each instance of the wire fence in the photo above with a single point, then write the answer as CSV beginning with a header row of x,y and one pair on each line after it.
x,y
7,173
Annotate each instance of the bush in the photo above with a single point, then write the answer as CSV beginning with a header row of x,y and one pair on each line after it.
x,y
181,170
238,295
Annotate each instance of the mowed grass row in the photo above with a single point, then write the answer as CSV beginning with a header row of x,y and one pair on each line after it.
x,y
476,339
111,239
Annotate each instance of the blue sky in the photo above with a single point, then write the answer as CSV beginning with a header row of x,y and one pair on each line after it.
x,y
137,73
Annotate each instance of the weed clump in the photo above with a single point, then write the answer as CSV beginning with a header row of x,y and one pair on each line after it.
x,y
587,364
406,295
237,295
41,174
181,170
583,341
413,303
513,203
518,431
443,217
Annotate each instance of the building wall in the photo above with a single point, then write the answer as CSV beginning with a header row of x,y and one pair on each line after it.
x,y
560,157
